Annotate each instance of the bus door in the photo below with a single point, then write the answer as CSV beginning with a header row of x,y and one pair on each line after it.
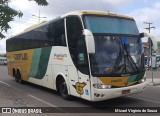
x,y
83,86
78,74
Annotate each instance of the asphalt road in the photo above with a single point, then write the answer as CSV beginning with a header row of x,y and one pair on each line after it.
x,y
13,94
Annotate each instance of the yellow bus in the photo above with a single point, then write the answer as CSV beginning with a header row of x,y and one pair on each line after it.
x,y
93,55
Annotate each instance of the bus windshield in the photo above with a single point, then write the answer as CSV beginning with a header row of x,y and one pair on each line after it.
x,y
104,24
118,48
117,55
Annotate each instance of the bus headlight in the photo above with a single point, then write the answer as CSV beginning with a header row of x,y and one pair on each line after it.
x,y
142,80
101,86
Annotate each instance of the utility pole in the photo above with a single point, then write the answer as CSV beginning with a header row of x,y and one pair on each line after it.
x,y
150,45
39,16
149,26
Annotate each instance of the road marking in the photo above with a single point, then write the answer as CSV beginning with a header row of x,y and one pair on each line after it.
x,y
42,100
5,83
146,100
154,86
10,86
33,96
45,102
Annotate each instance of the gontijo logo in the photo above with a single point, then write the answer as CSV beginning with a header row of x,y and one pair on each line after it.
x,y
21,56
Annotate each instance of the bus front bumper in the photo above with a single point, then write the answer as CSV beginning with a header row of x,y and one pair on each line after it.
x,y
104,94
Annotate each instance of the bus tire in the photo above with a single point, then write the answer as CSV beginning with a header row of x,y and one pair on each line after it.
x,y
63,90
19,77
15,75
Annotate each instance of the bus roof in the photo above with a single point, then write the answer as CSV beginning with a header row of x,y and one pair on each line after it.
x,y
80,12
92,12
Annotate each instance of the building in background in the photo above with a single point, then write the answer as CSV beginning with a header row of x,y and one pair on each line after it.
x,y
155,54
158,48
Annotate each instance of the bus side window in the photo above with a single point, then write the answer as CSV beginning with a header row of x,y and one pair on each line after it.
x,y
81,52
73,26
56,33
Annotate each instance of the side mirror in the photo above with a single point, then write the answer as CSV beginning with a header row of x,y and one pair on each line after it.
x,y
90,43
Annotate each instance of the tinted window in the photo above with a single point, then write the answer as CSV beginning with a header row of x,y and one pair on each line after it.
x,y
51,34
56,33
76,43
104,24
74,27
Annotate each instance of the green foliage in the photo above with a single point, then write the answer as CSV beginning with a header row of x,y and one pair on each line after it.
x,y
41,2
7,14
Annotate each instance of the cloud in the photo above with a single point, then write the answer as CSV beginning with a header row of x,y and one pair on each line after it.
x,y
55,8
3,46
58,7
118,3
148,14
19,4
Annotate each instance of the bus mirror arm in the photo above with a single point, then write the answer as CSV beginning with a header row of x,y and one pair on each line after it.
x,y
150,39
90,43
141,35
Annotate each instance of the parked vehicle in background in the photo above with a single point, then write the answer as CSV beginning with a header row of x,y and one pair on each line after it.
x,y
3,60
158,60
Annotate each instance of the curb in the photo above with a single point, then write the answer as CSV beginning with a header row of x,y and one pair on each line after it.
x,y
154,84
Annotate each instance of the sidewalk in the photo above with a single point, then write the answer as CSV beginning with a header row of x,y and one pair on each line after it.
x,y
156,78
156,82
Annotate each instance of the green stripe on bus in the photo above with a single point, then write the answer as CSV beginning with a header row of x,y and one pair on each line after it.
x,y
43,62
132,78
35,62
136,77
139,76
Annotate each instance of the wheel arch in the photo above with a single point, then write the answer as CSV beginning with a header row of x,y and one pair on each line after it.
x,y
59,77
13,72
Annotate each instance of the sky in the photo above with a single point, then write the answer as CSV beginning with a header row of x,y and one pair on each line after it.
x,y
141,10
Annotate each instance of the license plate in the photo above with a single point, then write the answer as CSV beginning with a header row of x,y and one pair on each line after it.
x,y
125,91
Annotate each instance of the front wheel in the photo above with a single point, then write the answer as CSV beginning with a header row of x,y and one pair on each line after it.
x,y
63,90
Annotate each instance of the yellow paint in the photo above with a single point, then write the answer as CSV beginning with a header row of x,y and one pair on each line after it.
x,y
131,83
23,65
116,81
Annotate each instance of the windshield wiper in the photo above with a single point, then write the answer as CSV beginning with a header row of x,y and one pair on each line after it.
x,y
118,60
124,55
130,58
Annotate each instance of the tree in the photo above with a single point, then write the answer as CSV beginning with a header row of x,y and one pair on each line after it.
x,y
7,14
